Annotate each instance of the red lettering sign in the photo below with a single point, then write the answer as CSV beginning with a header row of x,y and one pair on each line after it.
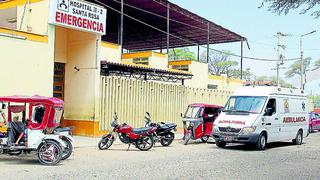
x,y
78,22
232,122
293,119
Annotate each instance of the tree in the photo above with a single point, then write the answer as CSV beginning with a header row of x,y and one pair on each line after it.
x,y
236,73
295,68
316,64
219,63
182,54
284,6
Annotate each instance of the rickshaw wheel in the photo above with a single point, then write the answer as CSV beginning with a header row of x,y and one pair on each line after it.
x,y
68,150
49,153
204,139
186,139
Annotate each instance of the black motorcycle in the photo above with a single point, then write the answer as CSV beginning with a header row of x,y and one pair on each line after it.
x,y
164,133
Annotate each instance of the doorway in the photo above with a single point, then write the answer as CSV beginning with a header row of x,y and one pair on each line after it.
x,y
58,80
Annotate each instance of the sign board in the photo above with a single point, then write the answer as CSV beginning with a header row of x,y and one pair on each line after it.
x,y
77,14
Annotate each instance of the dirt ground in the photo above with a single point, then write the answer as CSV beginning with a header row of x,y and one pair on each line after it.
x,y
194,161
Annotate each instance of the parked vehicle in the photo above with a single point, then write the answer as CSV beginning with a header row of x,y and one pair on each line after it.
x,y
314,121
198,121
164,133
32,127
141,138
262,114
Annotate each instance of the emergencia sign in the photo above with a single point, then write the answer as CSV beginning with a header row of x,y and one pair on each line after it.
x,y
79,15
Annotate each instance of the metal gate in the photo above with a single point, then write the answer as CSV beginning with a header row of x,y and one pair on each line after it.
x,y
131,98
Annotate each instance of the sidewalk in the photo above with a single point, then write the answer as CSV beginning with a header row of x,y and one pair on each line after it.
x,y
81,141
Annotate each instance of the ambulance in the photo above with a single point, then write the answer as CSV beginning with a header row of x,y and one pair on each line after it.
x,y
258,115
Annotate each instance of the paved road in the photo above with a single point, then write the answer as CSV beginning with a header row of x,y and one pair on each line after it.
x,y
194,161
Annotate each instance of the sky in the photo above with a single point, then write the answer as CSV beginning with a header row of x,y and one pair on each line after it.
x,y
260,26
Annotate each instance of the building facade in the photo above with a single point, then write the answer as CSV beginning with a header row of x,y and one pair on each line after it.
x,y
38,57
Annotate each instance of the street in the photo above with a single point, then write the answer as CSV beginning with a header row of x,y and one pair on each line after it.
x,y
194,161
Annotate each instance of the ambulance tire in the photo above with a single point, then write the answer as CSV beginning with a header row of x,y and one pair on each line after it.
x,y
299,138
262,142
221,144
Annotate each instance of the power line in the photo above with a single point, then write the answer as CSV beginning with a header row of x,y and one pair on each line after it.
x,y
191,42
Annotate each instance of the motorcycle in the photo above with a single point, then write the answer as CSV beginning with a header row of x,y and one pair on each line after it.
x,y
141,138
164,133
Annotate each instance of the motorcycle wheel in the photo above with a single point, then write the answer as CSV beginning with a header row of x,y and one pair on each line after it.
x,y
204,139
167,139
49,153
145,143
186,138
67,151
105,143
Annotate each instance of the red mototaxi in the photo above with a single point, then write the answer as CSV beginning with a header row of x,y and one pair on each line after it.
x,y
198,121
33,125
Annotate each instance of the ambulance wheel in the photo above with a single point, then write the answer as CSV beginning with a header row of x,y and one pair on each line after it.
x,y
262,142
299,138
204,139
221,144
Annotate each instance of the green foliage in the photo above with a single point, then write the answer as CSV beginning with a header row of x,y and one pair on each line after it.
x,y
295,68
316,64
284,6
236,73
182,54
220,63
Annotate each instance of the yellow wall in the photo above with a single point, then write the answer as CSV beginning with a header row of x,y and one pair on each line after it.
x,y
26,65
110,52
79,85
156,60
35,17
225,83
200,75
30,17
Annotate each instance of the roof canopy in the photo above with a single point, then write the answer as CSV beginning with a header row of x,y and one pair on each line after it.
x,y
32,99
186,28
143,73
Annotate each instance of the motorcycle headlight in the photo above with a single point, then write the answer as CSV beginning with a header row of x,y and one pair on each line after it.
x,y
248,130
216,129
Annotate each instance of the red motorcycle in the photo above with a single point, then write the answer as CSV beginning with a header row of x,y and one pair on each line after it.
x,y
140,137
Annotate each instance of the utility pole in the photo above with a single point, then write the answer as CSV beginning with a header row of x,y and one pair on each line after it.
x,y
280,56
303,69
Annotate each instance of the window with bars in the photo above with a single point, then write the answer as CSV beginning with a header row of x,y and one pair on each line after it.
x,y
144,60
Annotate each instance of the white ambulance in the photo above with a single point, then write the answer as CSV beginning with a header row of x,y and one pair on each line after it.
x,y
262,114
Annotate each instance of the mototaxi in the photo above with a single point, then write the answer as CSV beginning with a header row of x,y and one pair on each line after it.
x,y
32,126
198,121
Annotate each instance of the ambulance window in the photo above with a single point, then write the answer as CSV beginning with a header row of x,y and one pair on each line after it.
x,y
272,104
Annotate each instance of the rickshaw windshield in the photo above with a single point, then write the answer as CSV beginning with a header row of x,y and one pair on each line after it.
x,y
57,114
246,104
192,112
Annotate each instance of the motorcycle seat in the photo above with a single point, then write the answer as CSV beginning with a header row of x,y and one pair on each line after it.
x,y
168,126
64,129
141,130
